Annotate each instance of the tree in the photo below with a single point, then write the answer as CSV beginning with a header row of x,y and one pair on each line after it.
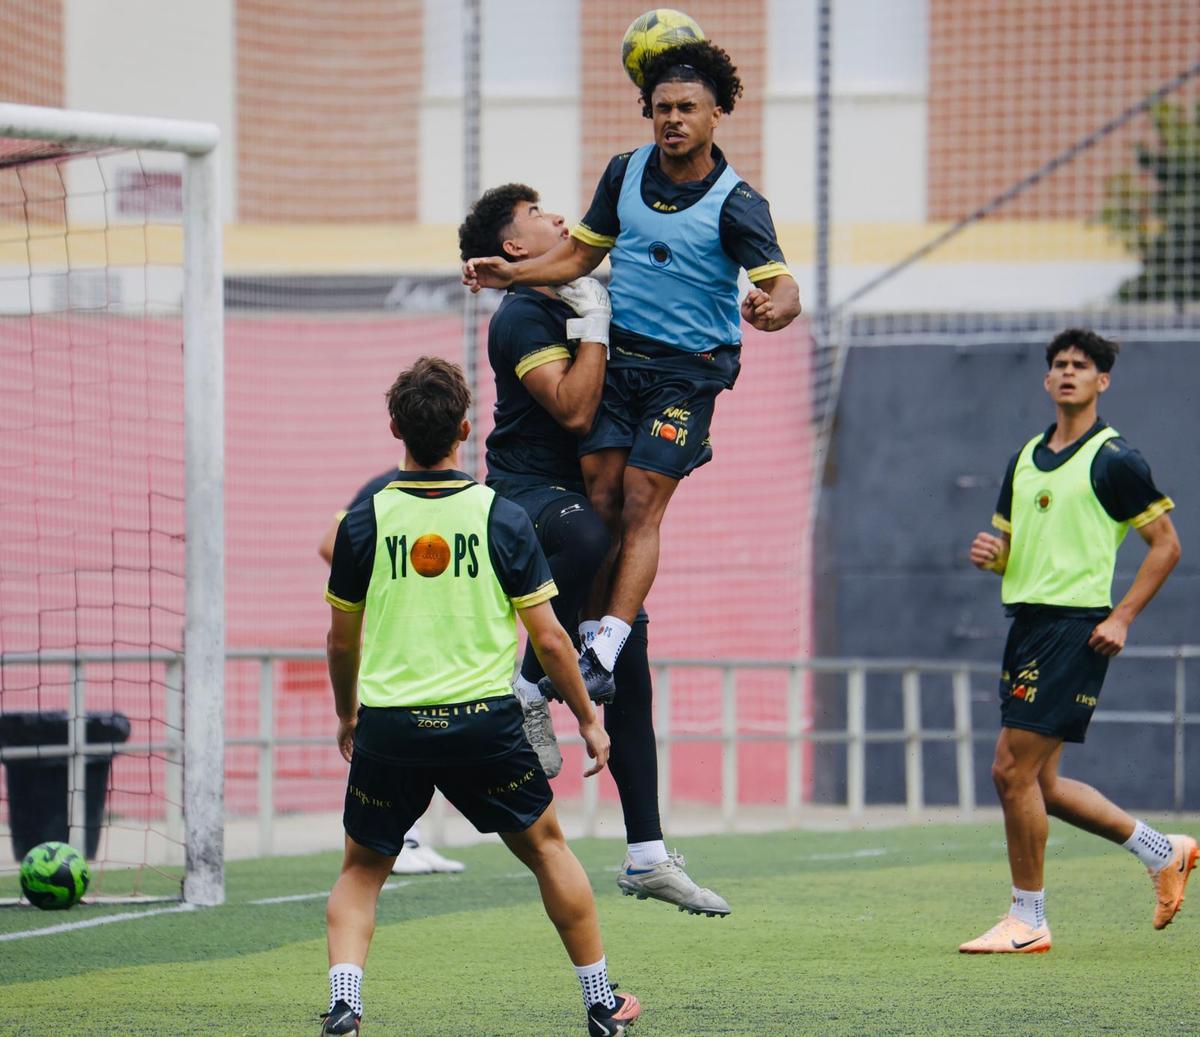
x,y
1154,209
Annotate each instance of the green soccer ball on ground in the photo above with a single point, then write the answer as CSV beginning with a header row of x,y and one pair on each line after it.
x,y
54,876
651,33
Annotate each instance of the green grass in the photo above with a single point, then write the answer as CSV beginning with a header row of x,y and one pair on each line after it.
x,y
820,942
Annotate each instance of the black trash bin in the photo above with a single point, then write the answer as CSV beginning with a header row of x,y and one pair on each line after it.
x,y
38,809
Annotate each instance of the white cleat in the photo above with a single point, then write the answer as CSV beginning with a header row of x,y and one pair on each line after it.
x,y
411,862
418,859
668,882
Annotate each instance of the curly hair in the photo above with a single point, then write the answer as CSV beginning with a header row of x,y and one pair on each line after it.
x,y
1102,352
482,232
427,402
700,62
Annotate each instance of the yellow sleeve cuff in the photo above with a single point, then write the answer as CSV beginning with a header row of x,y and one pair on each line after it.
x,y
342,605
546,355
545,592
590,237
1001,523
1156,510
767,271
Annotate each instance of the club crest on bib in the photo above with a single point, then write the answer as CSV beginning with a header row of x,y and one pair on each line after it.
x,y
1043,499
660,253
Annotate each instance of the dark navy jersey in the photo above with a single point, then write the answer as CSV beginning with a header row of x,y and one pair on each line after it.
x,y
369,489
528,330
746,228
519,563
1120,478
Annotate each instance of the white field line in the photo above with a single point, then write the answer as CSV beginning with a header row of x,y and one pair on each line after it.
x,y
88,923
316,896
108,919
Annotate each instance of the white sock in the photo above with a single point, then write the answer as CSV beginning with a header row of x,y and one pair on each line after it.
x,y
588,630
596,988
527,691
610,639
413,836
1149,846
646,855
345,984
1029,905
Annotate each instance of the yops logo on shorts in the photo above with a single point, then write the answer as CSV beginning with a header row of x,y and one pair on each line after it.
x,y
660,253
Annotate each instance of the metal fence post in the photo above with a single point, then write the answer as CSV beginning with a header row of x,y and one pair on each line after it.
x,y
795,732
856,746
914,769
1180,732
76,739
964,742
591,802
729,748
173,710
266,754
662,730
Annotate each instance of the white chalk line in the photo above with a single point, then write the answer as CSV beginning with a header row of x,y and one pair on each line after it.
x,y
317,896
89,923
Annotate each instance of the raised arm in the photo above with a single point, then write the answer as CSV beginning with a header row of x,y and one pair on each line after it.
x,y
569,259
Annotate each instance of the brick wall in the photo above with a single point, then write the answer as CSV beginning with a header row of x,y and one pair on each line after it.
x,y
31,52
327,109
1013,84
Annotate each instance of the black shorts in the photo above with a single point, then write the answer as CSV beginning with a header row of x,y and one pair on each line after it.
x,y
660,408
480,760
542,502
1051,679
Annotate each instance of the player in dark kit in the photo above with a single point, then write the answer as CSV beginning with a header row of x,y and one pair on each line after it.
x,y
428,578
678,224
1067,500
549,369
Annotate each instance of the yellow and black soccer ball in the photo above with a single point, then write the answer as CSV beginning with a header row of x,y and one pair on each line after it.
x,y
651,33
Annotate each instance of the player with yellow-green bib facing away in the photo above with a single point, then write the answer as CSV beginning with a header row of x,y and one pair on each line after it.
x,y
1067,500
427,579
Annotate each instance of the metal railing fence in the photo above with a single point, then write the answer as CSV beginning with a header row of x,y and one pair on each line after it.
x,y
794,734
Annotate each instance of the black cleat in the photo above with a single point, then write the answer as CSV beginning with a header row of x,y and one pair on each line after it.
x,y
597,681
612,1022
341,1022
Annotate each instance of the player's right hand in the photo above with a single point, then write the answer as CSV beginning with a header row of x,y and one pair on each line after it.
x,y
597,744
345,736
989,552
487,272
589,298
585,295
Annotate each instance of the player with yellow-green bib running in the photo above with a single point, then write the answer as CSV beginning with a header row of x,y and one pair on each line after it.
x,y
1068,498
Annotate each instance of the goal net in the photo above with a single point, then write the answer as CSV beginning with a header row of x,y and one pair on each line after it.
x,y
111,611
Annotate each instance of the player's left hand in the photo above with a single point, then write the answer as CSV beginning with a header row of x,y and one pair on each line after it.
x,y
1109,636
758,310
345,736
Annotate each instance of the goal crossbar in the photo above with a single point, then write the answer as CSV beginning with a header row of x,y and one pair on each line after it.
x,y
204,453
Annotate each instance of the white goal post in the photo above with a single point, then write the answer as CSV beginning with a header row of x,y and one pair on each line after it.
x,y
203,438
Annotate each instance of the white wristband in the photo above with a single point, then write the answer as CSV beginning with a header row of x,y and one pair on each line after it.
x,y
591,328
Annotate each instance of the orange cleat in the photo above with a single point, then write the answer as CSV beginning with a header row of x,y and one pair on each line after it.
x,y
1010,936
1171,879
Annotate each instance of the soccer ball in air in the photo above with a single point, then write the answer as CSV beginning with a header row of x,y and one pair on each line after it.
x,y
54,876
651,33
